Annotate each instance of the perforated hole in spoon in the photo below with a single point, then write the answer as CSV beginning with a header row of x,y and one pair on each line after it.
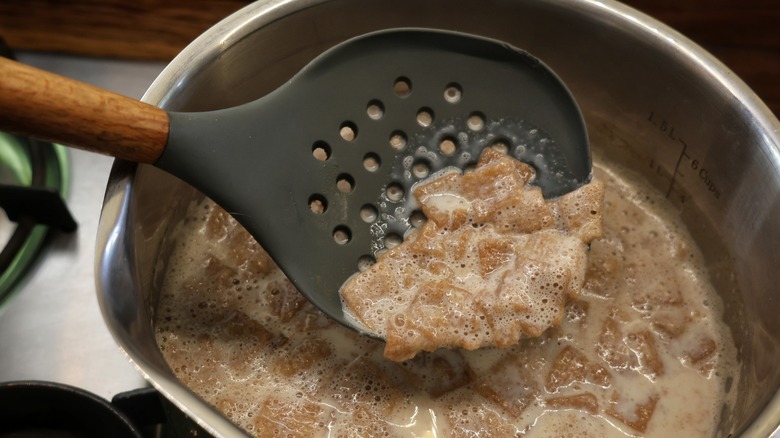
x,y
375,110
365,262
392,240
402,87
476,121
425,117
404,138
321,151
421,169
398,141
342,235
371,162
417,219
453,93
448,146
348,131
318,204
368,213
345,183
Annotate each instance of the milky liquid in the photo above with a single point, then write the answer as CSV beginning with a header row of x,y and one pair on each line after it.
x,y
642,352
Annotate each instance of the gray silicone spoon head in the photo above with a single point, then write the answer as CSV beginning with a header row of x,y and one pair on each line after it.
x,y
320,170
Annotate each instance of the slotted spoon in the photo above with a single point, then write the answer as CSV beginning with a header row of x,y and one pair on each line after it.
x,y
319,171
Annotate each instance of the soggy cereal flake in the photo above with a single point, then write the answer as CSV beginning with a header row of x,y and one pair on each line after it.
x,y
648,361
366,422
220,272
361,384
522,211
492,264
488,184
704,349
524,171
637,419
304,356
285,299
586,402
629,350
494,254
661,291
572,366
444,371
580,211
241,250
281,418
670,322
611,347
510,384
603,275
701,353
477,421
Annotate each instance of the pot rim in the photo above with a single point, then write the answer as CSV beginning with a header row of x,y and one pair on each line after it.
x,y
213,42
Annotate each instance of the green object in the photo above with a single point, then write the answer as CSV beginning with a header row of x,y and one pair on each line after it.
x,y
18,156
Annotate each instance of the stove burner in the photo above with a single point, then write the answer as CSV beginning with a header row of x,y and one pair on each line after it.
x,y
155,416
49,409
33,180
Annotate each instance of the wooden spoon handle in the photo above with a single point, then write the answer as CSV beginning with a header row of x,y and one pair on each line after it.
x,y
50,107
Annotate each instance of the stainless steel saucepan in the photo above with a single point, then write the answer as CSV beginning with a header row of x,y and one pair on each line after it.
x,y
651,99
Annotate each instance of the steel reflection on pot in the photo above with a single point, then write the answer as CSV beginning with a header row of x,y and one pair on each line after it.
x,y
660,73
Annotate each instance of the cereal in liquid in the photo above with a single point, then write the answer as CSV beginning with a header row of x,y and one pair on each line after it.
x,y
641,352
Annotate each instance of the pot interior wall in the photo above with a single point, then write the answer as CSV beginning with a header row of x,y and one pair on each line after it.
x,y
647,104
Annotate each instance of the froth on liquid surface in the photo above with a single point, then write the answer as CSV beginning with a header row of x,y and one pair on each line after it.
x,y
641,351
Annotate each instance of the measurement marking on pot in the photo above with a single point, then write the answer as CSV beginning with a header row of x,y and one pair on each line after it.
x,y
693,163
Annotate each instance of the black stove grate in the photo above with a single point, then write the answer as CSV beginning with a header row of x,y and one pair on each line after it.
x,y
31,204
155,416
